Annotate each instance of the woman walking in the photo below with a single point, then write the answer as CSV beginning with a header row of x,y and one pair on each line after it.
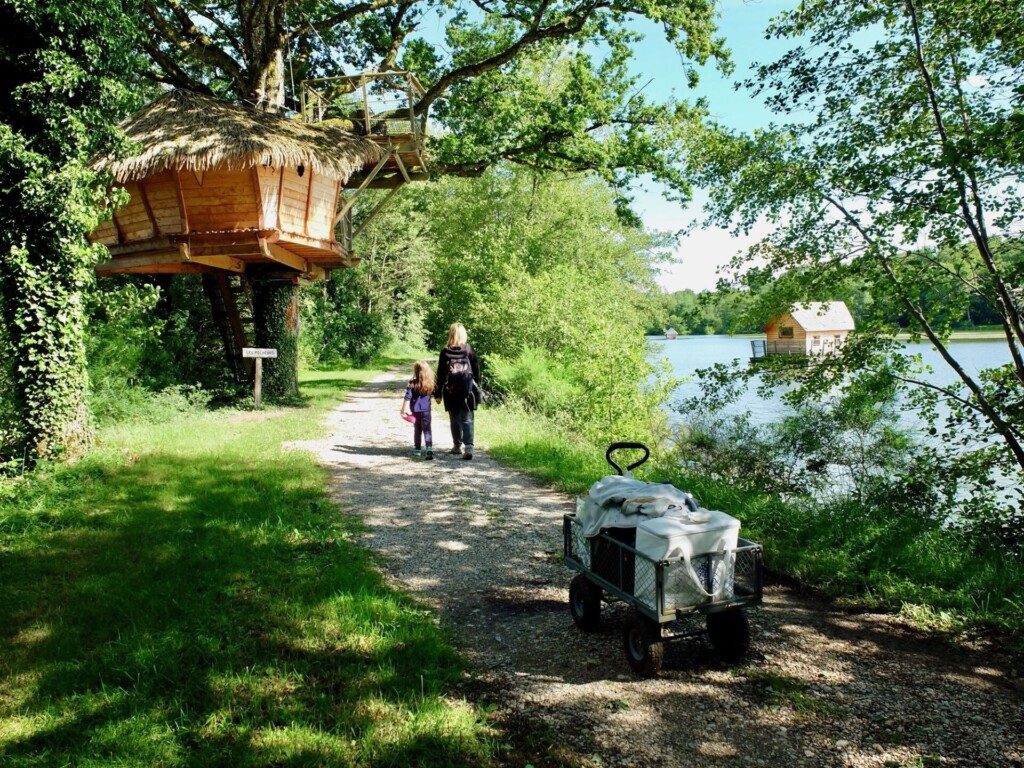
x,y
458,384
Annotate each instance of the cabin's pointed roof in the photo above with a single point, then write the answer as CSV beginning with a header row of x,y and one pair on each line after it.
x,y
184,130
823,316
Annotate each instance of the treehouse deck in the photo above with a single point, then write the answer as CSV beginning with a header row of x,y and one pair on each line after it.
x,y
379,106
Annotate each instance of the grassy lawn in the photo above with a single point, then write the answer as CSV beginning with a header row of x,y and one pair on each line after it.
x,y
188,595
935,577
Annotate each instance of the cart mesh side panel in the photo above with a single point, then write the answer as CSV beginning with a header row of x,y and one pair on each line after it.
x,y
613,562
576,544
646,582
747,582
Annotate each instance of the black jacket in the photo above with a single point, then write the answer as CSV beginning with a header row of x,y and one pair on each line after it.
x,y
451,402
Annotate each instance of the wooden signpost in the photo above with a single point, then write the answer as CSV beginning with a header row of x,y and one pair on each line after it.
x,y
259,353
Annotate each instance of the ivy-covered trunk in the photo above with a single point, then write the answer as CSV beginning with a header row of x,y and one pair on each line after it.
x,y
45,320
276,321
44,269
275,302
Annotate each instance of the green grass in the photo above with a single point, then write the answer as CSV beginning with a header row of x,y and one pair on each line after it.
x,y
188,595
935,577
776,689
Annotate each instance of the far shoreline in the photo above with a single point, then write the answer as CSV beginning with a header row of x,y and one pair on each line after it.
x,y
985,335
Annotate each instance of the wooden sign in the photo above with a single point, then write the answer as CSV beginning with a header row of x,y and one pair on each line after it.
x,y
257,383
258,352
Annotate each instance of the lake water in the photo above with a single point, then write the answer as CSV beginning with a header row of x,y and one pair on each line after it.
x,y
687,354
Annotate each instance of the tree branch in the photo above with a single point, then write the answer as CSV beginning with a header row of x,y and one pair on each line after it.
x,y
566,27
1013,327
348,14
173,74
1005,430
191,41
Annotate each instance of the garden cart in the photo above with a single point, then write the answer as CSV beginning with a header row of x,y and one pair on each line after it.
x,y
682,574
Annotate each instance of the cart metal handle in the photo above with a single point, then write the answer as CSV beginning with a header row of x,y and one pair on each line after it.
x,y
619,446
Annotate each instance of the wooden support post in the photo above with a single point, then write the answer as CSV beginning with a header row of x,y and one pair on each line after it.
x,y
375,211
258,382
363,185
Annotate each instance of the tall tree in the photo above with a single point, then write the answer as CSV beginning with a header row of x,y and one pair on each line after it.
x,y
513,80
62,64
899,166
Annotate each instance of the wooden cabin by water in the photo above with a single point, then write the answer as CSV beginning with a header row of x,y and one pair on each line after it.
x,y
221,187
814,328
671,334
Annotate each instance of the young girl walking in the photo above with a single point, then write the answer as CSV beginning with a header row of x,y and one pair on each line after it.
x,y
417,405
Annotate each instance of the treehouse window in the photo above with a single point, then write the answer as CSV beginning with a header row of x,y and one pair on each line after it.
x,y
785,333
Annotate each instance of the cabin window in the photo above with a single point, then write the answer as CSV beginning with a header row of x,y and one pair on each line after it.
x,y
837,337
816,342
785,333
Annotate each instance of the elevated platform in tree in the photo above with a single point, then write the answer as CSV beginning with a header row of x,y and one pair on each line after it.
x,y
379,106
220,187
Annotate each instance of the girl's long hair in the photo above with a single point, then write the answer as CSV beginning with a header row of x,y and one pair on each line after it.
x,y
457,335
422,378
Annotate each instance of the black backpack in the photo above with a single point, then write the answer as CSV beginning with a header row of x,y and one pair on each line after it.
x,y
459,381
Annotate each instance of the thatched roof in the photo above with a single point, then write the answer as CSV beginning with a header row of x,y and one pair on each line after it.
x,y
188,131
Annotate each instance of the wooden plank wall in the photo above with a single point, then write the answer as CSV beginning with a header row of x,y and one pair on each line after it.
x,y
292,210
270,195
221,200
323,201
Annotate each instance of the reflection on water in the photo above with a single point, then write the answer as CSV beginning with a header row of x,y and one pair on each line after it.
x,y
687,354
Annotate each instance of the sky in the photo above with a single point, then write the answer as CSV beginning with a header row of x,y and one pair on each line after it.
x,y
702,251
657,66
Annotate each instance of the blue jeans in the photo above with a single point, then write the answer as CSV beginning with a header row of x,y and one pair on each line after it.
x,y
421,430
461,420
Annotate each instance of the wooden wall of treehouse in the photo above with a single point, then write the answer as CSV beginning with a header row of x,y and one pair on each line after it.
x,y
300,207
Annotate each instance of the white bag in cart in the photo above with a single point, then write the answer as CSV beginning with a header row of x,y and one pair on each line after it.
x,y
664,538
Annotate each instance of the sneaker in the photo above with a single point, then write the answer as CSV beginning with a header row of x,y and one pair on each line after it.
x,y
456,450
430,455
468,453
416,452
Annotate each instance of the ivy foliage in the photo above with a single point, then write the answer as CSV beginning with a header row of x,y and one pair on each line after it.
x,y
63,65
276,314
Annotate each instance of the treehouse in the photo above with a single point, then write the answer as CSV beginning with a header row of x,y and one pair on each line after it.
x,y
220,187
242,196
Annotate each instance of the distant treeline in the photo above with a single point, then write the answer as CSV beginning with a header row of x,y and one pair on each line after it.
x,y
747,309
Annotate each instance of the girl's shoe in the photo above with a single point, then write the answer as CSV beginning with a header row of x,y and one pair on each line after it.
x,y
416,452
430,455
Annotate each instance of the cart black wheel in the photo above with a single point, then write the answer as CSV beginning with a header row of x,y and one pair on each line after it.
x,y
729,632
641,639
585,603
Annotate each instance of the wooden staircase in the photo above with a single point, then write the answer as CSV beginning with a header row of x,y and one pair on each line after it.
x,y
231,306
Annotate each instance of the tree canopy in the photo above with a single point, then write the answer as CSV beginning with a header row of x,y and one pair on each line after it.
x,y
896,164
533,82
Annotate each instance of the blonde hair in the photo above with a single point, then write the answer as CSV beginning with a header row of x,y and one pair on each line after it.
x,y
457,335
422,378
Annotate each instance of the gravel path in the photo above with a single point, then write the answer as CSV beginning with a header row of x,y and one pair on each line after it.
x,y
480,543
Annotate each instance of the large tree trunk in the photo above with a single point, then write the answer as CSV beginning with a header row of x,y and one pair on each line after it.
x,y
44,316
276,301
276,317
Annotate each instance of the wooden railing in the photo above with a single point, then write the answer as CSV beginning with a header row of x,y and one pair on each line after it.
x,y
762,347
376,103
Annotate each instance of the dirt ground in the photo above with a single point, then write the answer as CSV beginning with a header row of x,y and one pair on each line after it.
x,y
480,543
